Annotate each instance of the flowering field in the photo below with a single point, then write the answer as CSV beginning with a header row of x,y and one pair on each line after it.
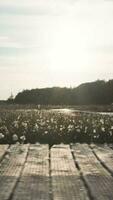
x,y
46,126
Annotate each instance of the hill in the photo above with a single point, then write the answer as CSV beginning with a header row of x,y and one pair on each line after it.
x,y
97,92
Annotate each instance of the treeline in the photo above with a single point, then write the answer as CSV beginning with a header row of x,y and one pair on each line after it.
x,y
98,92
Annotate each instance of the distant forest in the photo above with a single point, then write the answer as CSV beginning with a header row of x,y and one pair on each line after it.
x,y
98,92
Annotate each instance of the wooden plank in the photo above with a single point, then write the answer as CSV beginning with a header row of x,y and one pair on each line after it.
x,y
34,181
105,154
10,169
98,180
66,181
3,149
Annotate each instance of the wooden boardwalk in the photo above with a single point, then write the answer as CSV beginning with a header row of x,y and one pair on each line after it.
x,y
64,172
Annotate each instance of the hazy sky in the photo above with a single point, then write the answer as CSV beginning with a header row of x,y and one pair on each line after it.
x,y
46,43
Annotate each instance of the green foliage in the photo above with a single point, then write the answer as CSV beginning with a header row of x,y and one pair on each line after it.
x,y
46,126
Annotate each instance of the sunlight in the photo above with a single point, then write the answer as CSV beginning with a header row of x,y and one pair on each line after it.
x,y
69,43
61,43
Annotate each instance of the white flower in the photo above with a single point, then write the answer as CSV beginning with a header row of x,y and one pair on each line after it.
x,y
17,143
102,129
69,130
1,135
15,137
52,120
61,129
102,121
24,124
70,126
36,127
86,128
18,117
23,138
110,133
94,131
42,123
45,132
15,124
49,127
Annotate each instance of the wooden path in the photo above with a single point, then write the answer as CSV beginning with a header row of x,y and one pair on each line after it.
x,y
64,172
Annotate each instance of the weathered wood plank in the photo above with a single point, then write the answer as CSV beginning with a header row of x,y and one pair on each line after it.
x,y
3,149
105,155
98,180
34,181
66,182
10,169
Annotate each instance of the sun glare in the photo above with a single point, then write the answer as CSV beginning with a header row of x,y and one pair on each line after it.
x,y
69,46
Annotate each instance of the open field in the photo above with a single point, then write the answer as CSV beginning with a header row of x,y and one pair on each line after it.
x,y
54,126
67,172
